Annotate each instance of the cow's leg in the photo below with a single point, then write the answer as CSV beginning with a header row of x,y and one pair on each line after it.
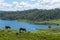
x,y
25,30
20,31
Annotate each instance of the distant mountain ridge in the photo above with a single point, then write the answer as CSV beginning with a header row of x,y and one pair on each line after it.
x,y
34,14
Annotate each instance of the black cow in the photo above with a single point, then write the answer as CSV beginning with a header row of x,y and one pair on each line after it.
x,y
7,27
22,29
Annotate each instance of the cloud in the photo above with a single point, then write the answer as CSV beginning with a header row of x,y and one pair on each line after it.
x,y
4,6
1,1
25,5
33,0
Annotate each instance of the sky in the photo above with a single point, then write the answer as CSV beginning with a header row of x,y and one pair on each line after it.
x,y
14,5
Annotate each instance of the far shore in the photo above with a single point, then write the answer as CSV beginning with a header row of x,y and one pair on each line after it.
x,y
51,22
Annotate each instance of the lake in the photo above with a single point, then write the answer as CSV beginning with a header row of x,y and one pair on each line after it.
x,y
16,25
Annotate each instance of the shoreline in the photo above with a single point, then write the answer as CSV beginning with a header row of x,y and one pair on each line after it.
x,y
51,22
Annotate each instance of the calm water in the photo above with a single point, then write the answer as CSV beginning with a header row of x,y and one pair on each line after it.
x,y
16,25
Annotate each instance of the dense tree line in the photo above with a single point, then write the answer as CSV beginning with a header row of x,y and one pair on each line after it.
x,y
34,14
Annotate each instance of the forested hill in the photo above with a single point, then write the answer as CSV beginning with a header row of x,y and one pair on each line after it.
x,y
34,14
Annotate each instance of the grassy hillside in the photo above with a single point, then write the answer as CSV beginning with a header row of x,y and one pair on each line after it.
x,y
57,21
49,22
32,15
37,16
5,35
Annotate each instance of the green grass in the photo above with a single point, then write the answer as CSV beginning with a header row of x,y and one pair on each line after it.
x,y
53,30
5,35
42,22
49,22
22,20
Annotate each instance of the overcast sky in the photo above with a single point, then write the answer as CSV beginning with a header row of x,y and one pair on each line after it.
x,y
14,5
